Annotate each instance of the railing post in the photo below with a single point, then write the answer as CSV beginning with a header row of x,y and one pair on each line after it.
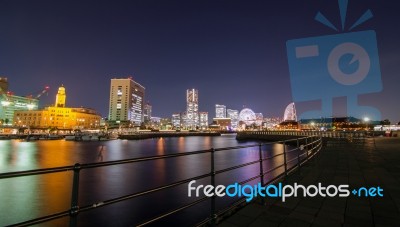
x,y
306,146
284,158
73,213
213,212
261,170
298,154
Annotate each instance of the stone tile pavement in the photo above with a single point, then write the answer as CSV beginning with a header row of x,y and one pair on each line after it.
x,y
374,163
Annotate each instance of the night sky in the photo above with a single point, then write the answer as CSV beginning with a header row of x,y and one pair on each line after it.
x,y
233,52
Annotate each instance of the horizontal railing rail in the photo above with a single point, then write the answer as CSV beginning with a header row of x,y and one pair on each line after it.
x,y
308,147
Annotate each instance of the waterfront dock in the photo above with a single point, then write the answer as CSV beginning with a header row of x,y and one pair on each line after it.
x,y
148,135
373,163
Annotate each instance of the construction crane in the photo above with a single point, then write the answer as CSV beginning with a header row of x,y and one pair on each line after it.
x,y
39,93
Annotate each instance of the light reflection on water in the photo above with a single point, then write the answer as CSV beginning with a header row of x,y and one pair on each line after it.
x,y
34,196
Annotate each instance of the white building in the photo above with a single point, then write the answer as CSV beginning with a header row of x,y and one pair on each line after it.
x,y
220,111
234,116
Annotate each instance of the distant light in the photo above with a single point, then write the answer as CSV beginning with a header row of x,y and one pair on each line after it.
x,y
366,119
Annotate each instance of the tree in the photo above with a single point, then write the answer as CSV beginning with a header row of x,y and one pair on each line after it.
x,y
385,122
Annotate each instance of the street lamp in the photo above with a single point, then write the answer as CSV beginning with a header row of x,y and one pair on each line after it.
x,y
366,120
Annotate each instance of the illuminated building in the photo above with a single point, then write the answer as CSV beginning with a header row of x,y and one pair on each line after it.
x,y
220,111
290,113
126,101
234,116
9,103
222,123
192,109
176,120
58,116
203,120
259,119
271,122
147,112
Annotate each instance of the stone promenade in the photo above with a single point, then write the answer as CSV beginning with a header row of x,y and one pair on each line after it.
x,y
375,162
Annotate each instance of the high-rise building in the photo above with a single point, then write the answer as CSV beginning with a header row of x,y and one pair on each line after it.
x,y
203,120
234,116
147,112
176,120
126,101
192,108
220,111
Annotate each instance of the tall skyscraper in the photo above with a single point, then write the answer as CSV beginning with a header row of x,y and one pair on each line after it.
x,y
234,116
220,111
192,108
126,101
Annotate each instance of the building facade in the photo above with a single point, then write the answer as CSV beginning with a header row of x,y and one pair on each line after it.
x,y
176,120
234,116
147,112
220,111
203,120
58,116
9,103
126,101
192,109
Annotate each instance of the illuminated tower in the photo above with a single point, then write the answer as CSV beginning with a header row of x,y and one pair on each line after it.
x,y
60,97
192,108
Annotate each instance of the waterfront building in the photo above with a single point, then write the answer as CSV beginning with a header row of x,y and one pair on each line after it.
x,y
176,121
126,101
336,123
271,122
259,119
58,116
147,112
290,113
234,116
203,120
220,111
10,103
223,124
192,109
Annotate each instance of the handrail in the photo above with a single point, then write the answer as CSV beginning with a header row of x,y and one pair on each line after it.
x,y
311,145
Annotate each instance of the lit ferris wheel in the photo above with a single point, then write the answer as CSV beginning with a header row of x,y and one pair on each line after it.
x,y
247,116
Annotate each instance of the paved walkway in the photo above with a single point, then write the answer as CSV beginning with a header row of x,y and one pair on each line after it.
x,y
373,164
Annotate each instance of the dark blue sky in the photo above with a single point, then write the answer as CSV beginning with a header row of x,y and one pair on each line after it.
x,y
233,52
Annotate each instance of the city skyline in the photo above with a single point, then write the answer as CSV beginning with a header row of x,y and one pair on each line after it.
x,y
232,53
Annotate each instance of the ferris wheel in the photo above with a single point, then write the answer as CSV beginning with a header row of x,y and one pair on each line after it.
x,y
247,116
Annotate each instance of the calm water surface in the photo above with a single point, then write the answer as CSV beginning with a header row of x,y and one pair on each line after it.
x,y
29,197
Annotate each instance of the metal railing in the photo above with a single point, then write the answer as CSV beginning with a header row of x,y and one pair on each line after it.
x,y
306,148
